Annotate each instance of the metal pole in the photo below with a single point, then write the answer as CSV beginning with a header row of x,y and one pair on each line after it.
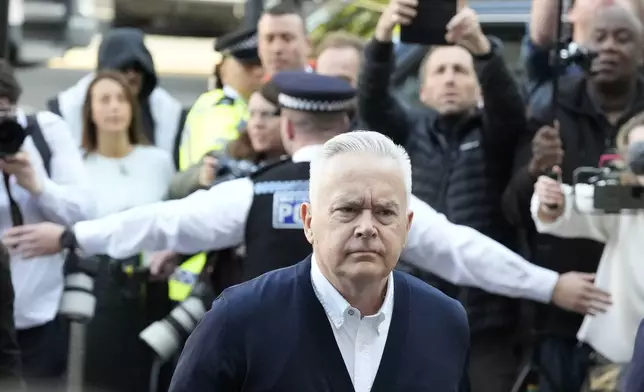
x,y
4,29
75,366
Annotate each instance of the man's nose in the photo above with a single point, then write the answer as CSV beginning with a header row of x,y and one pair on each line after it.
x,y
366,227
449,78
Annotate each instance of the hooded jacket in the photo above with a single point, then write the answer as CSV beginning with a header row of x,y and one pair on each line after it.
x,y
586,134
162,115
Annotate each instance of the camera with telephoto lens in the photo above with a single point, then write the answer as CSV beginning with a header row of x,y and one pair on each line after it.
x,y
574,53
167,336
78,301
615,185
12,136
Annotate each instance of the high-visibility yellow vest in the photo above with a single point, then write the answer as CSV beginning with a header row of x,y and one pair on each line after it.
x,y
214,120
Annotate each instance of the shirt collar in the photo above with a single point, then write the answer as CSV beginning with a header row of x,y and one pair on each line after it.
x,y
307,153
336,307
231,92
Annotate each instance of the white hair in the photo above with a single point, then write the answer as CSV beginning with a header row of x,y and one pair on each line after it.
x,y
361,142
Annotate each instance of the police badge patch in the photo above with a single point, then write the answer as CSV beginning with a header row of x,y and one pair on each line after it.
x,y
286,209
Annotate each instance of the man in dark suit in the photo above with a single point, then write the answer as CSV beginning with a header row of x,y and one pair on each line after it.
x,y
343,319
9,352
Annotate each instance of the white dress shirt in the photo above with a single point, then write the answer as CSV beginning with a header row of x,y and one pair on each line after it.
x,y
65,199
361,340
216,219
620,273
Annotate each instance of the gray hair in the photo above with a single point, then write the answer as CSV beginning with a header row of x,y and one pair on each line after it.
x,y
366,142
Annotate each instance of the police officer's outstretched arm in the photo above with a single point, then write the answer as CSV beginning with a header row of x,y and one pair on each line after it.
x,y
206,220
378,108
210,360
209,219
465,257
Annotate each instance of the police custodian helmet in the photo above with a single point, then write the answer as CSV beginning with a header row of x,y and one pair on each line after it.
x,y
311,92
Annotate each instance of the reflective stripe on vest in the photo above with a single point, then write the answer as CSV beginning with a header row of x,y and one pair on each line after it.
x,y
185,276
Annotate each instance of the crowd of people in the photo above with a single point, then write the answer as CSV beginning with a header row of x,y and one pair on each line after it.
x,y
473,193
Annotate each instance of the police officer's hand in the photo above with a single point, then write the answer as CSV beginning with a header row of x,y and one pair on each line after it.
x,y
576,292
207,171
397,12
163,264
465,30
20,166
547,150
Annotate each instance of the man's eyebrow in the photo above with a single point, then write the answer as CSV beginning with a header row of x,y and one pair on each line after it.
x,y
388,204
348,201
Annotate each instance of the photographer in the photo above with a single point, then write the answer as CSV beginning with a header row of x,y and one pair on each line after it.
x,y
46,183
611,334
591,108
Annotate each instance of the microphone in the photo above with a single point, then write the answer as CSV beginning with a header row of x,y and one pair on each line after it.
x,y
635,158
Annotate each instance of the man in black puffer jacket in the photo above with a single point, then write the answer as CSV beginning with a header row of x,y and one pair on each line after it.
x,y
461,156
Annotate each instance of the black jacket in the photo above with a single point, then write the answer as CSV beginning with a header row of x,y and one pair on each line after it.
x,y
586,135
460,169
9,352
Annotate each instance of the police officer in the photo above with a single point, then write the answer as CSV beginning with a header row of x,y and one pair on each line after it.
x,y
262,211
218,115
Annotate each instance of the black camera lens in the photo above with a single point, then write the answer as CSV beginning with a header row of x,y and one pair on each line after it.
x,y
12,135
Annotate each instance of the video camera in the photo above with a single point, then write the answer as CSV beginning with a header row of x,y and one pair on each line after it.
x,y
12,136
615,186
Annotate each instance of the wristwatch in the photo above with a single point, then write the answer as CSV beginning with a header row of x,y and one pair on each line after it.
x,y
68,239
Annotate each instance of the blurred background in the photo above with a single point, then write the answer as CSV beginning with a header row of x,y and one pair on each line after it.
x,y
54,42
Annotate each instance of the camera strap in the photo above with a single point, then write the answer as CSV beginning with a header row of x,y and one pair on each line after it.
x,y
16,214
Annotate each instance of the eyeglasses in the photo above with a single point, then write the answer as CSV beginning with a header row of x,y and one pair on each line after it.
x,y
265,114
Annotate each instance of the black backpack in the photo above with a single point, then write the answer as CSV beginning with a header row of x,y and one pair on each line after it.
x,y
33,129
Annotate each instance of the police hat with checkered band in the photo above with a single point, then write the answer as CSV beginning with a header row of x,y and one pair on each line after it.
x,y
311,92
241,44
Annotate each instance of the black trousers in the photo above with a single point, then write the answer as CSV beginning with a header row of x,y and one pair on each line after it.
x,y
494,362
44,355
116,360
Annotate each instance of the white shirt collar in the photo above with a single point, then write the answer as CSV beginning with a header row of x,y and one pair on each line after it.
x,y
307,153
337,308
230,92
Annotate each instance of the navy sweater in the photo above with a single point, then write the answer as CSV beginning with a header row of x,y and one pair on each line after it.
x,y
272,334
635,372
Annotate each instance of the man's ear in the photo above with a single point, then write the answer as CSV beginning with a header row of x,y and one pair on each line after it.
x,y
290,131
305,216
410,218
